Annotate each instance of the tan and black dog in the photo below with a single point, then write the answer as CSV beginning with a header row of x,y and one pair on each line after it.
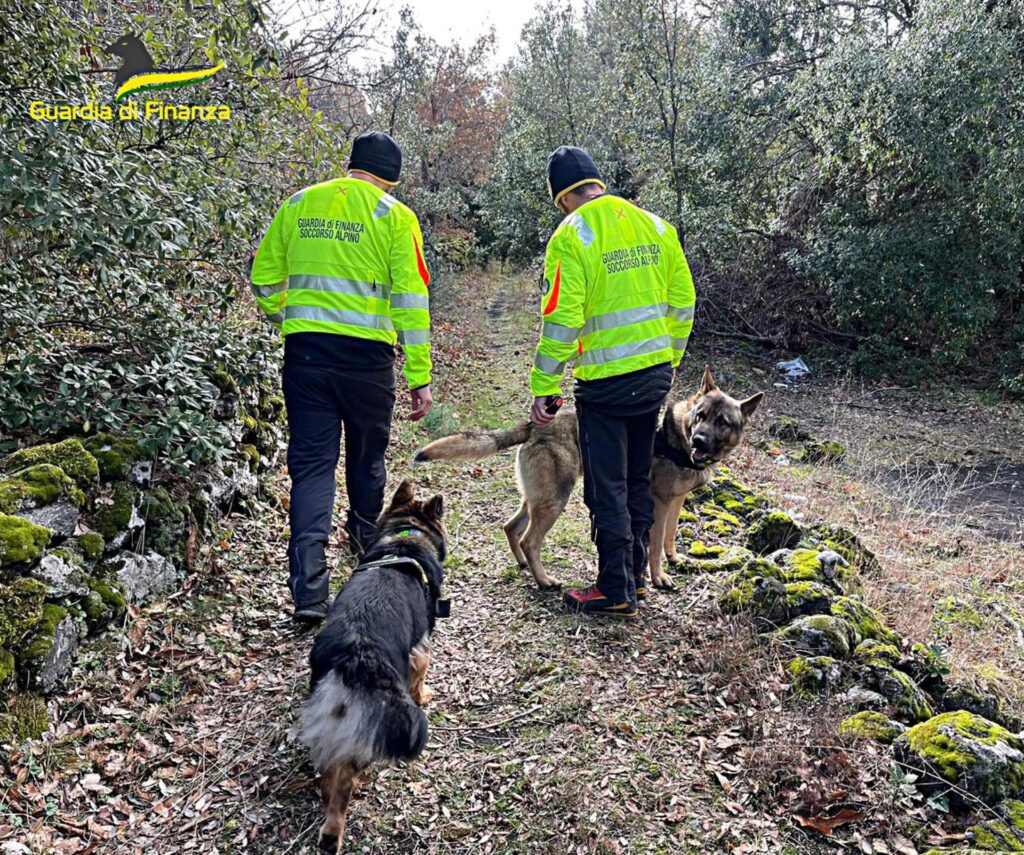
x,y
370,659
694,435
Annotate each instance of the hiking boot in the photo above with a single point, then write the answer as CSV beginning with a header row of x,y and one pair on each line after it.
x,y
590,601
310,615
641,590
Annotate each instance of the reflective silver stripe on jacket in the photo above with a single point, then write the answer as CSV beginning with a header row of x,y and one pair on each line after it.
x,y
337,285
337,316
625,317
557,332
277,318
681,315
548,365
624,351
384,204
264,291
680,343
585,233
659,223
410,301
414,336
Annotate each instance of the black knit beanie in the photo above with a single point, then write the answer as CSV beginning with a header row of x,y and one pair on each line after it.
x,y
568,168
376,154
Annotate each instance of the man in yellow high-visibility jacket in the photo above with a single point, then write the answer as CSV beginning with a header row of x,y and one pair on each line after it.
x,y
619,302
341,270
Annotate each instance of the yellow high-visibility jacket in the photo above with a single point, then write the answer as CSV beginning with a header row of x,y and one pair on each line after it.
x,y
345,257
619,295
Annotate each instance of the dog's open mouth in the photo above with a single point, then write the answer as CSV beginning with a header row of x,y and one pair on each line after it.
x,y
700,456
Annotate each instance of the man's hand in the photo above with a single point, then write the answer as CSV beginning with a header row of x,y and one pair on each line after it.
x,y
538,415
422,401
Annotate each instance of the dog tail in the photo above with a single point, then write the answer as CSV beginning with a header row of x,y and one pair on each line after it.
x,y
473,446
359,724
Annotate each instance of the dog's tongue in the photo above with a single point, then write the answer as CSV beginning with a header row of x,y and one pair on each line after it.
x,y
699,456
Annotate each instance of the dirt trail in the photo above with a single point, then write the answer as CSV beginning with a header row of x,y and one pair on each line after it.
x,y
548,733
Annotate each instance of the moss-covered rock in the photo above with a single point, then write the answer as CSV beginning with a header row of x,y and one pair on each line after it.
x,y
873,726
961,695
821,635
1005,834
824,566
841,540
822,451
788,429
698,549
68,455
21,541
114,455
104,603
113,514
22,717
21,609
42,484
48,651
808,598
907,699
251,455
732,559
814,675
876,653
738,587
165,519
719,521
775,530
977,755
6,667
92,545
869,623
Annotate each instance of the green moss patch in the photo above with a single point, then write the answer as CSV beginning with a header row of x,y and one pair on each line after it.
x,y
821,635
104,604
822,451
21,608
869,622
115,456
36,486
813,675
773,531
967,750
876,653
873,726
91,545
113,514
22,717
21,541
69,455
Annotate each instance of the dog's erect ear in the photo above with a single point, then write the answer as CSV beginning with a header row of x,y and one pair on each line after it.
x,y
435,507
403,495
748,406
707,383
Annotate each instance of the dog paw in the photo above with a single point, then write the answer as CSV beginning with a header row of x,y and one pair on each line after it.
x,y
550,584
663,582
328,844
674,558
426,695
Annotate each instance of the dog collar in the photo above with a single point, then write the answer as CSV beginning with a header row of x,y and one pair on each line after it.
x,y
679,456
412,567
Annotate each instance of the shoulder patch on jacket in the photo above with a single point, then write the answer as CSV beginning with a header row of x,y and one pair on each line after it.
x,y
659,223
583,231
384,206
294,200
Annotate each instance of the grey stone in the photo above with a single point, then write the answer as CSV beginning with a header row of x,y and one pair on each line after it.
x,y
63,579
831,562
862,699
58,660
60,517
142,473
144,576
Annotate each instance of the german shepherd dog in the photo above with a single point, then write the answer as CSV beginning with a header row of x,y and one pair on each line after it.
x,y
370,660
694,435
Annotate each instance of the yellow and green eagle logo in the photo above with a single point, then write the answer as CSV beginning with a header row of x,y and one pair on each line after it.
x,y
138,73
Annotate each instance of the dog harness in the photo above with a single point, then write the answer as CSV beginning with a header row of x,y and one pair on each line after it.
x,y
411,567
679,456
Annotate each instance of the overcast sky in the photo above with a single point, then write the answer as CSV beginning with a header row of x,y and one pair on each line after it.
x,y
462,19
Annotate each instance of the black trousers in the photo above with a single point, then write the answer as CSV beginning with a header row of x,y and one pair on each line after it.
x,y
320,401
617,452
